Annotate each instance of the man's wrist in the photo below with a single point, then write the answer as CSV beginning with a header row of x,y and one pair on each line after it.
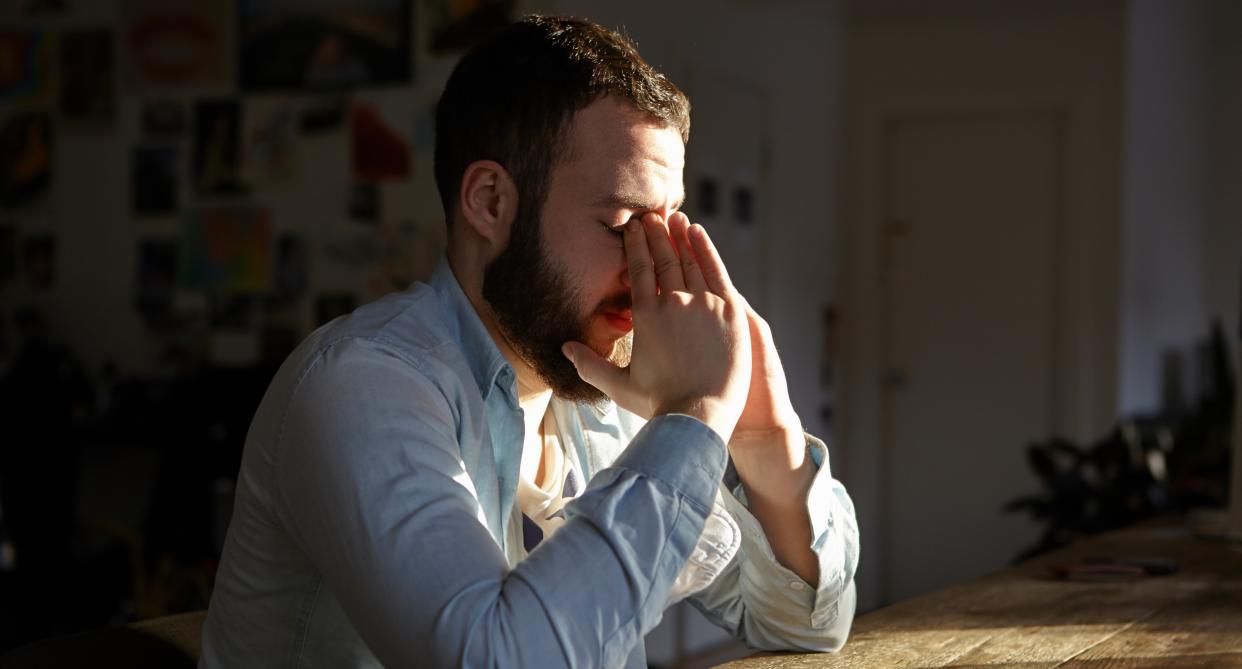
x,y
773,464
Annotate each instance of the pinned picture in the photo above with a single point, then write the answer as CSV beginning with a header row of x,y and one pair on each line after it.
x,y
458,25
322,44
380,153
164,119
157,277
217,150
39,260
86,92
25,158
25,67
269,140
228,250
173,43
153,180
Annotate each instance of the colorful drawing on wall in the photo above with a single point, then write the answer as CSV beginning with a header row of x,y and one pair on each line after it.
x,y
25,157
153,180
228,250
379,152
25,67
157,277
217,151
39,260
8,253
322,44
164,119
86,76
458,25
173,43
269,140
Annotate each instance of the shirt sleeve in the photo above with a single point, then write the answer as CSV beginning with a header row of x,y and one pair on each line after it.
x,y
372,487
768,606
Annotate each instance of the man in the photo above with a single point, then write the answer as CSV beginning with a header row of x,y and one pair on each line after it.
x,y
523,463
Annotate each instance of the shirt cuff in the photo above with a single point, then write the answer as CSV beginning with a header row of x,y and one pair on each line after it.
x,y
681,451
824,508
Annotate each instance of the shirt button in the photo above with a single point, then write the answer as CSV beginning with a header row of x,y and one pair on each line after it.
x,y
796,586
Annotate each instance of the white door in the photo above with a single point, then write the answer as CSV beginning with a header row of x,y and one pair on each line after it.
x,y
968,272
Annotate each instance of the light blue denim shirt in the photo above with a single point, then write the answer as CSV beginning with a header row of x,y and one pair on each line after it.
x,y
373,523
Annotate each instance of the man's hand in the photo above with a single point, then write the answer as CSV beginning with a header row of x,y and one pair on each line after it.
x,y
692,350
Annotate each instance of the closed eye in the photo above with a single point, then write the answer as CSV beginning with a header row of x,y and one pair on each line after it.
x,y
617,230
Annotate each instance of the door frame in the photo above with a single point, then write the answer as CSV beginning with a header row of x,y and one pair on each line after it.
x,y
1085,299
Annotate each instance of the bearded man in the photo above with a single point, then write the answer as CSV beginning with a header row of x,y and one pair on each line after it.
x,y
575,423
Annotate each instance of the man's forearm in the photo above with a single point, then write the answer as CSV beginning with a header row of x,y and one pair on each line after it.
x,y
776,475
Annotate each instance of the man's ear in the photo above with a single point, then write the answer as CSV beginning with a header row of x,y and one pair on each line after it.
x,y
488,202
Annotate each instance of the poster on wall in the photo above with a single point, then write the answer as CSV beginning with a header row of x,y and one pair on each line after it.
x,y
322,44
457,25
25,68
153,180
217,150
86,93
269,140
25,157
227,250
380,153
173,43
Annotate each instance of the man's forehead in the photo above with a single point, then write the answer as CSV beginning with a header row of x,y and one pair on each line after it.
x,y
626,158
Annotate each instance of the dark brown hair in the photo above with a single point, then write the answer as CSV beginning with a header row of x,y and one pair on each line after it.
x,y
511,98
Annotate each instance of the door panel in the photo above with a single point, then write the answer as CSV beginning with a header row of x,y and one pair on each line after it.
x,y
968,268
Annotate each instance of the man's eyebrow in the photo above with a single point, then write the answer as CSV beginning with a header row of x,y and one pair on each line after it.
x,y
633,202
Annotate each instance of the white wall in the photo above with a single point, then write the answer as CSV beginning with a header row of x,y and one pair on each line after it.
x,y
1223,235
1182,221
1164,298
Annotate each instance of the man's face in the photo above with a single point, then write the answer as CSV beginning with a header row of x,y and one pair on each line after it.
x,y
564,277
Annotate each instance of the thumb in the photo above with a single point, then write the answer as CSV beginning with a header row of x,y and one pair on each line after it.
x,y
594,369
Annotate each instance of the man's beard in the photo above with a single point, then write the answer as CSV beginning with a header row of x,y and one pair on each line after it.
x,y
535,307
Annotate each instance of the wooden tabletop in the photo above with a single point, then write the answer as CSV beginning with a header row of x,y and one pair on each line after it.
x,y
1024,617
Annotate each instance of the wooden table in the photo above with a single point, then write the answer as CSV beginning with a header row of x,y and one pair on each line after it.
x,y
1023,617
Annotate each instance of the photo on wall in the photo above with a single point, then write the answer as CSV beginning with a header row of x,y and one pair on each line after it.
x,y
457,25
86,91
217,147
227,250
173,44
153,180
25,67
25,157
322,44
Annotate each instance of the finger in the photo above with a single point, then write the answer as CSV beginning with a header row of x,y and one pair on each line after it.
x,y
667,266
638,261
679,227
711,265
595,370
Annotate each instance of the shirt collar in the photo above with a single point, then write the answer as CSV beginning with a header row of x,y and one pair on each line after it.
x,y
486,362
